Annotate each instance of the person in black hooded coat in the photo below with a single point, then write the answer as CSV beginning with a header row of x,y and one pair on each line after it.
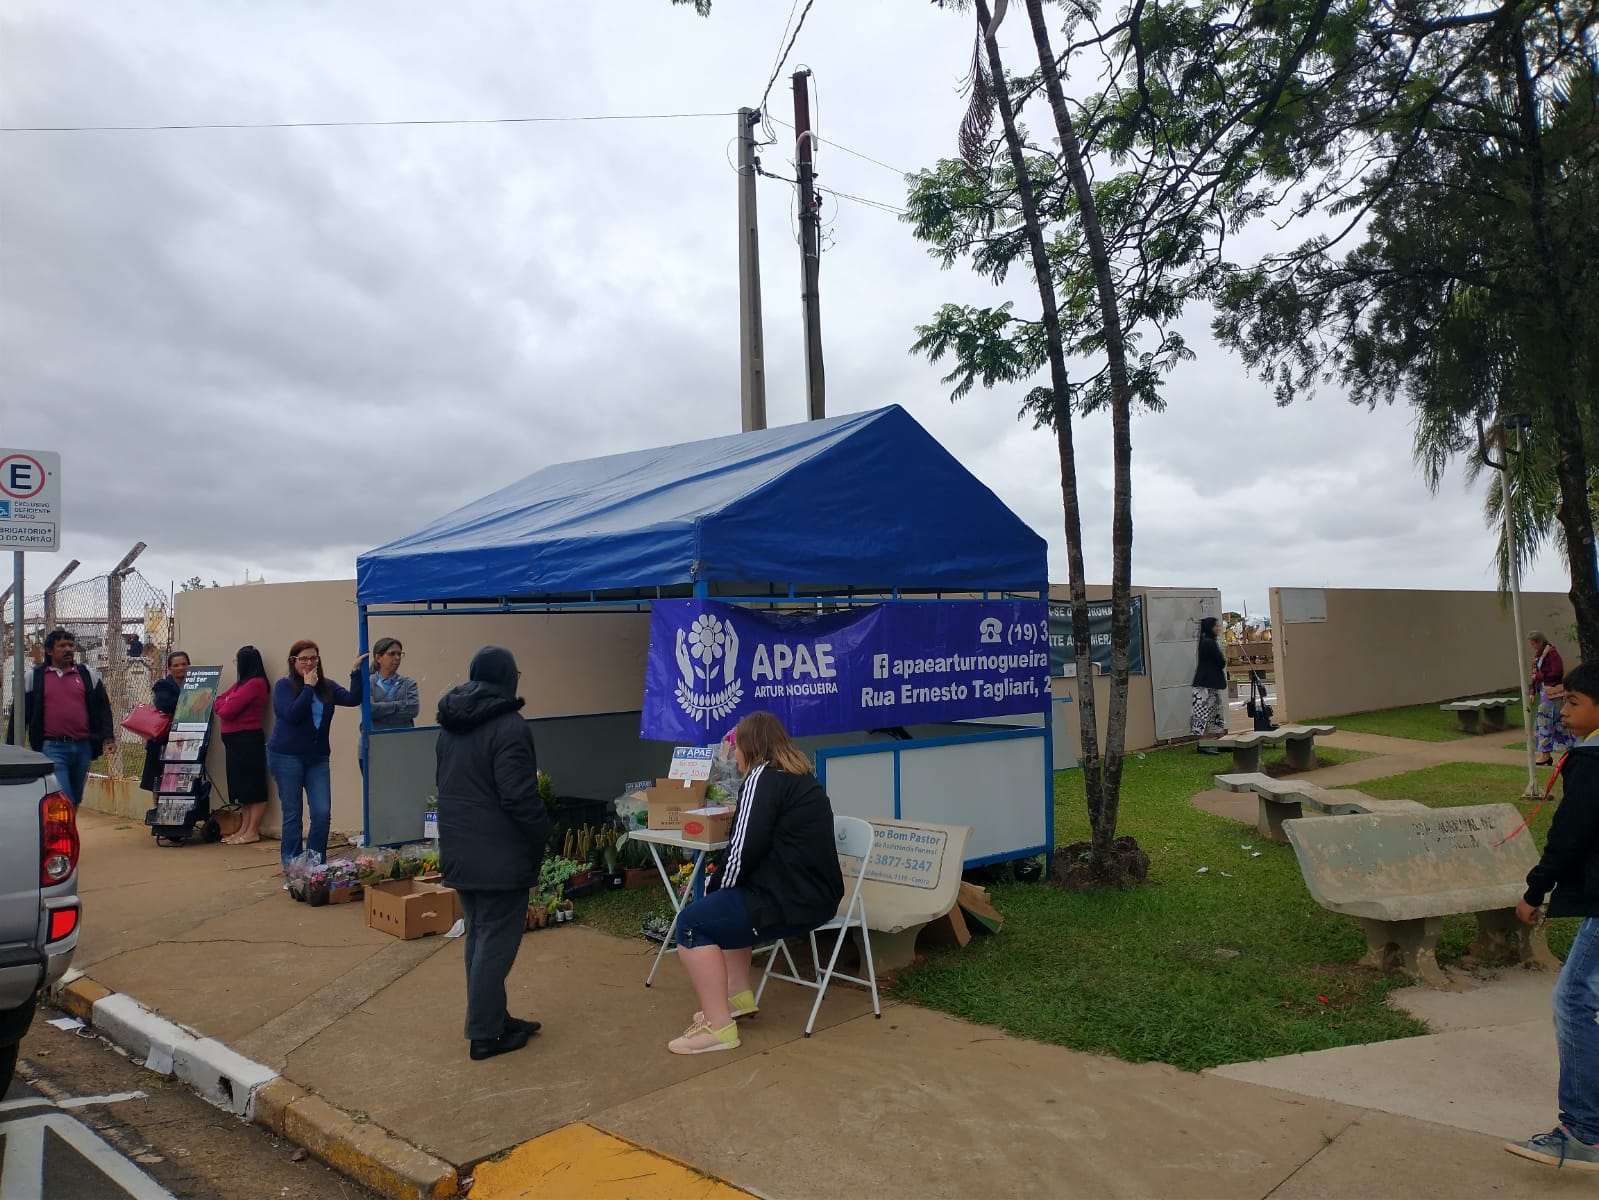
x,y
492,833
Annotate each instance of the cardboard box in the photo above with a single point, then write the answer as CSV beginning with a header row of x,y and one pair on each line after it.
x,y
669,799
408,908
707,825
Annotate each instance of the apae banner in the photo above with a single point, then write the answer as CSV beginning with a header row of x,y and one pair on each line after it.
x,y
863,668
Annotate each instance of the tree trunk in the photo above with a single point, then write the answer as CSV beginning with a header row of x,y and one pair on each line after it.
x,y
1103,815
1061,418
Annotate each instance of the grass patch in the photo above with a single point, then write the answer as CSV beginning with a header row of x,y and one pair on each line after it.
x,y
619,911
1418,722
1450,785
1137,974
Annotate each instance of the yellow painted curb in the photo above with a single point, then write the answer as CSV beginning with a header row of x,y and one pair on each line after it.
x,y
579,1162
366,1153
79,996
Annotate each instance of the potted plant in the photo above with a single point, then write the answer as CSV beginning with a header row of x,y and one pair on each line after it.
x,y
636,863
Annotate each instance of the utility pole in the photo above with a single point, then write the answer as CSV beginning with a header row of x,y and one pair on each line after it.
x,y
810,223
751,344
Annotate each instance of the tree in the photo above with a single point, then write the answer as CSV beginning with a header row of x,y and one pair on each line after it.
x,y
191,584
1473,203
1119,234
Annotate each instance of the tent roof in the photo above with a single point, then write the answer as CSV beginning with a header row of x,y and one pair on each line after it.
x,y
868,500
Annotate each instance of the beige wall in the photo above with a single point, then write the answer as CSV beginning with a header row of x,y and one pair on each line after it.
x,y
571,664
1382,649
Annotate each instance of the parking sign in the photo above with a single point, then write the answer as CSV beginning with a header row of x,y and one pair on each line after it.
x,y
30,500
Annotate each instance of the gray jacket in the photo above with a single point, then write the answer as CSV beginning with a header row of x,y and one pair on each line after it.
x,y
398,713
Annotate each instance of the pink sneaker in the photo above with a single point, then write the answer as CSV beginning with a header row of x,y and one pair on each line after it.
x,y
700,1038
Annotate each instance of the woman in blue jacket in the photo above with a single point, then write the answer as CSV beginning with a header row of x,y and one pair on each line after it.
x,y
297,752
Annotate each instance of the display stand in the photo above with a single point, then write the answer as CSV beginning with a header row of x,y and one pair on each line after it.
x,y
183,789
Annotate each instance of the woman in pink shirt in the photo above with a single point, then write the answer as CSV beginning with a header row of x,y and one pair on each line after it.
x,y
240,711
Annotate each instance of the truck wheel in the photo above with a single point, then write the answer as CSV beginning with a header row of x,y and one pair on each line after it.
x,y
8,1067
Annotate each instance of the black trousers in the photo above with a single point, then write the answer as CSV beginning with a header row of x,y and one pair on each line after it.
x,y
495,923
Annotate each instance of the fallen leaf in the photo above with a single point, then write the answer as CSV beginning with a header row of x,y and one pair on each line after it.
x,y
298,1155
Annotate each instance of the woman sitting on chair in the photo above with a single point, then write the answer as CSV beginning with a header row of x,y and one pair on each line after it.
x,y
781,879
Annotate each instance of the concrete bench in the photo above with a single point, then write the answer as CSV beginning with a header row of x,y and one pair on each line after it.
x,y
1401,874
1282,800
1299,742
1480,716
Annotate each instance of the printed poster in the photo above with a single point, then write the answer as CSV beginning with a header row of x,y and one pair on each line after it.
x,y
871,667
199,693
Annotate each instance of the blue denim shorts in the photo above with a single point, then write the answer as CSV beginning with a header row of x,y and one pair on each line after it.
x,y
722,919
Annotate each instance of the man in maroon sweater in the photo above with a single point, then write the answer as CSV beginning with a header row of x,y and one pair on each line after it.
x,y
67,712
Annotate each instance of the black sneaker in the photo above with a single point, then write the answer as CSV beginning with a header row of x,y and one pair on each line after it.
x,y
511,1039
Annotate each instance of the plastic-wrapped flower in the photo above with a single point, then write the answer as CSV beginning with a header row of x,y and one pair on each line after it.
x,y
706,638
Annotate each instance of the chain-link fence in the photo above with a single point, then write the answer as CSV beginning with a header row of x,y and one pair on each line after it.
x,y
122,624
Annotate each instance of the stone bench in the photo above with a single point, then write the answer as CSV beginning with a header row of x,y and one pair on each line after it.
x,y
1282,800
1298,741
1480,716
1401,874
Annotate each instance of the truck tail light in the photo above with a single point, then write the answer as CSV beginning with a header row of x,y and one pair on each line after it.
x,y
58,822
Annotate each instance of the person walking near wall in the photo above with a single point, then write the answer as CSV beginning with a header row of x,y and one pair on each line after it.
x,y
1208,717
298,751
492,831
66,712
164,695
241,715
1546,692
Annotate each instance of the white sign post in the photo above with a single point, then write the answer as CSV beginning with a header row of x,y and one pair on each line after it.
x,y
30,519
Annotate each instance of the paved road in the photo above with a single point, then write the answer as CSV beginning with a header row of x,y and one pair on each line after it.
x,y
46,1152
82,1122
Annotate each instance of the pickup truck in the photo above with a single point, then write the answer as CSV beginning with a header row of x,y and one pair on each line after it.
x,y
39,910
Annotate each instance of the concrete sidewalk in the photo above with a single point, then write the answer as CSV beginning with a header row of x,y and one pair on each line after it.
x,y
915,1105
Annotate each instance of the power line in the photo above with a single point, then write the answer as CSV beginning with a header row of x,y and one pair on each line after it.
x,y
881,205
777,70
360,124
838,146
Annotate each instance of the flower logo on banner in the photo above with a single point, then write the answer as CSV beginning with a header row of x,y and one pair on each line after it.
x,y
700,693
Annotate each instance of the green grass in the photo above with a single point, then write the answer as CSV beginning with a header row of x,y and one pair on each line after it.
x,y
1136,974
619,911
1419,722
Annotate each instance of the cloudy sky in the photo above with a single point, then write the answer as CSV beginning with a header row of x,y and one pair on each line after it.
x,y
267,350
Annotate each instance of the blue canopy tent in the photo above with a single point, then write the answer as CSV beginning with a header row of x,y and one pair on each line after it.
x,y
860,508
865,501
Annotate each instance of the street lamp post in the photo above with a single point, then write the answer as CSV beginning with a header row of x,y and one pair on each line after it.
x,y
1518,424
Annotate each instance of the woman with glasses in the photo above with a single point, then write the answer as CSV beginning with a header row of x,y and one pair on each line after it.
x,y
394,696
298,753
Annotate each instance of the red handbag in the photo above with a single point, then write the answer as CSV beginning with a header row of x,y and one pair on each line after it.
x,y
148,722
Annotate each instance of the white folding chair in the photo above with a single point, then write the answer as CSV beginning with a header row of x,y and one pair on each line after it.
x,y
853,837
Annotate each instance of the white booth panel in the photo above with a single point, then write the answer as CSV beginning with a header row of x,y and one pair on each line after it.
x,y
998,788
862,785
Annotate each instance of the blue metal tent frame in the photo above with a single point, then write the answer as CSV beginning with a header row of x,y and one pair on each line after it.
x,y
886,513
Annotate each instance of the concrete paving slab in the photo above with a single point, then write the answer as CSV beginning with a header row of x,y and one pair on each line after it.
x,y
1498,1079
922,1105
225,989
1507,997
1381,1156
402,1059
1235,806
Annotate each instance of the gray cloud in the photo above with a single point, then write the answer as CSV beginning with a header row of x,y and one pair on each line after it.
x,y
269,350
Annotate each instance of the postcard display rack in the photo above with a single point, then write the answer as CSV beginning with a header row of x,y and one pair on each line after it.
x,y
183,791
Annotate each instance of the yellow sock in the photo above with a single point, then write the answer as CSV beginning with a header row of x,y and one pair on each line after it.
x,y
743,1002
728,1034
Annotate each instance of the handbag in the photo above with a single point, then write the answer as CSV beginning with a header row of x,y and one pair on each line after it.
x,y
148,722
